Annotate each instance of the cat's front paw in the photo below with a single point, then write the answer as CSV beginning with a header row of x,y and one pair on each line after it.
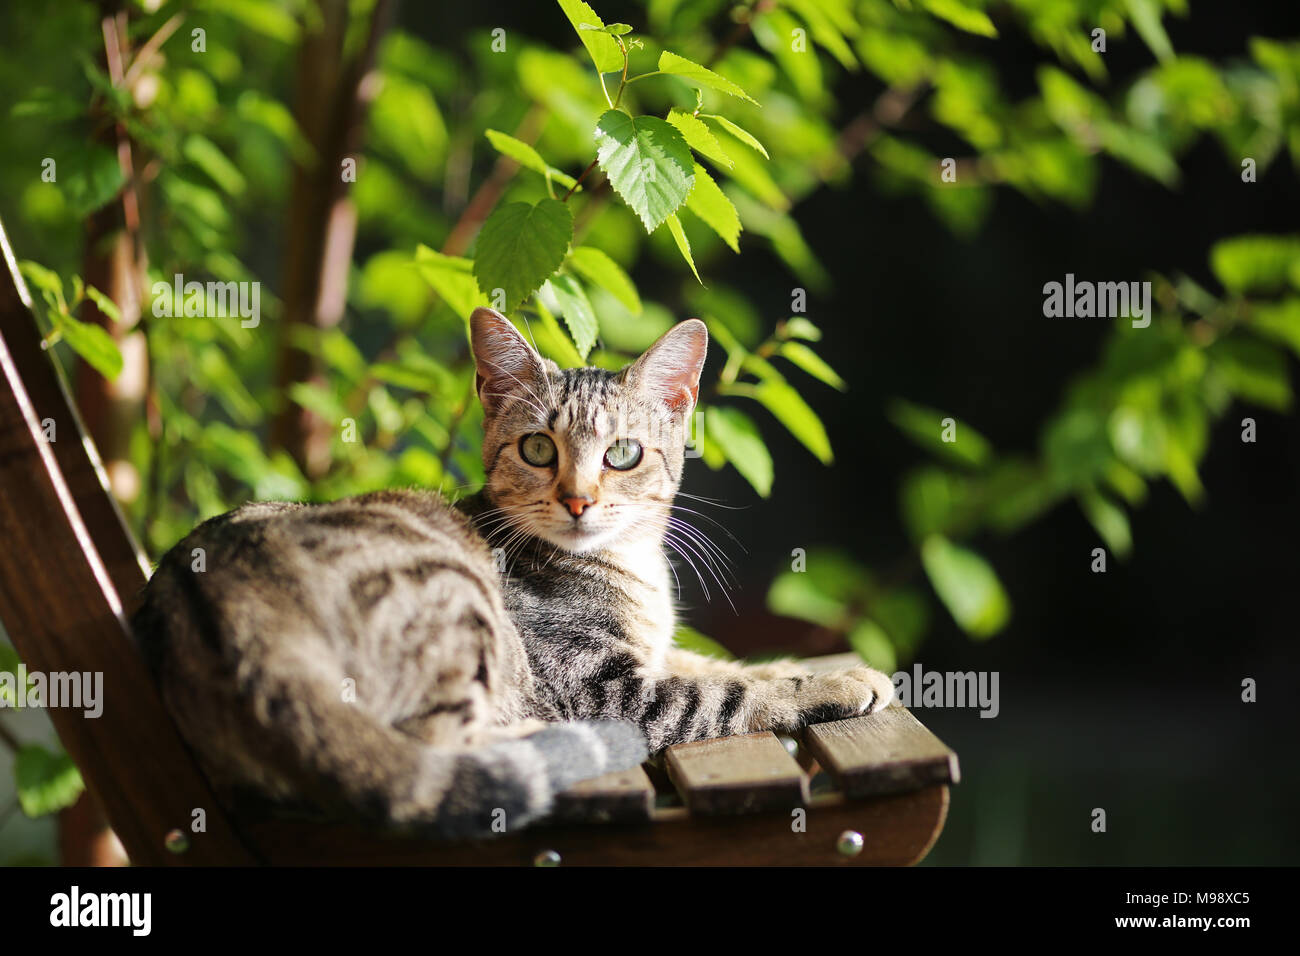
x,y
842,694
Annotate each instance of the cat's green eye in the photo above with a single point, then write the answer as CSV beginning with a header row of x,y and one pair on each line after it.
x,y
623,454
537,450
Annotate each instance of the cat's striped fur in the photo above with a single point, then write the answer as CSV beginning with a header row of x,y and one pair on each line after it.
x,y
591,594
392,658
355,658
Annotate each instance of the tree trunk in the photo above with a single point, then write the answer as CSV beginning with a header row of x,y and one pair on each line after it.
x,y
112,262
332,95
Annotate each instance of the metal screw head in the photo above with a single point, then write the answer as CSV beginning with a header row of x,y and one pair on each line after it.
x,y
176,841
547,858
849,843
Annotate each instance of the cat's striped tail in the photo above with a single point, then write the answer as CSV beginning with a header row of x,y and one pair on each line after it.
x,y
357,766
511,783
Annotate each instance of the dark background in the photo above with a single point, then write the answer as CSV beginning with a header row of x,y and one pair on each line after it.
x,y
1118,690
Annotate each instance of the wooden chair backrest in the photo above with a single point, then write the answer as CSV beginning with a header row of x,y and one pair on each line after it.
x,y
70,574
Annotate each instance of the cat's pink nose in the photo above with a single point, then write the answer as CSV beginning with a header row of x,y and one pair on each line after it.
x,y
577,504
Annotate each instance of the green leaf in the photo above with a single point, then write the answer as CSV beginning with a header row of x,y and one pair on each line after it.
x,y
963,17
1145,15
925,426
789,408
699,137
797,327
550,339
670,62
527,157
873,645
812,363
93,343
712,205
823,592
452,277
521,245
648,163
613,29
1109,520
45,782
1279,321
1253,370
318,398
602,47
967,585
94,179
689,639
683,244
1254,263
743,135
739,438
388,282
205,154
577,311
46,281
596,267
104,303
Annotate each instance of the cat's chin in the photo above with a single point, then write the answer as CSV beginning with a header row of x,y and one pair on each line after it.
x,y
579,539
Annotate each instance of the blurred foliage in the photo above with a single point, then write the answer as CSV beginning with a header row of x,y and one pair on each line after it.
x,y
660,147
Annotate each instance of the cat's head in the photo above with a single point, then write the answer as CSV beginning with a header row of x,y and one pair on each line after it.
x,y
584,458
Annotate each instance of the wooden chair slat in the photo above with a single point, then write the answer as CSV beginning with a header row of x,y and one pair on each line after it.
x,y
743,774
627,796
886,752
61,603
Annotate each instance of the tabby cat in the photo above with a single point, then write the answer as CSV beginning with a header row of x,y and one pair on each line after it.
x,y
397,659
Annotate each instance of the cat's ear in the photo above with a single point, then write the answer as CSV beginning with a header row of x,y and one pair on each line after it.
x,y
506,367
670,369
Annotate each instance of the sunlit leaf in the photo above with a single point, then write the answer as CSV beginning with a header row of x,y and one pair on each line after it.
x,y
596,267
797,327
1109,520
820,590
712,205
46,782
452,277
670,62
1145,15
689,639
648,164
699,137
93,343
789,408
527,157
742,444
967,585
962,16
872,644
1254,263
577,311
683,244
1253,370
520,246
931,428
743,135
207,156
602,47
812,363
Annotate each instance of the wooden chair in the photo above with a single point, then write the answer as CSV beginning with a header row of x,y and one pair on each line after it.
x,y
70,574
